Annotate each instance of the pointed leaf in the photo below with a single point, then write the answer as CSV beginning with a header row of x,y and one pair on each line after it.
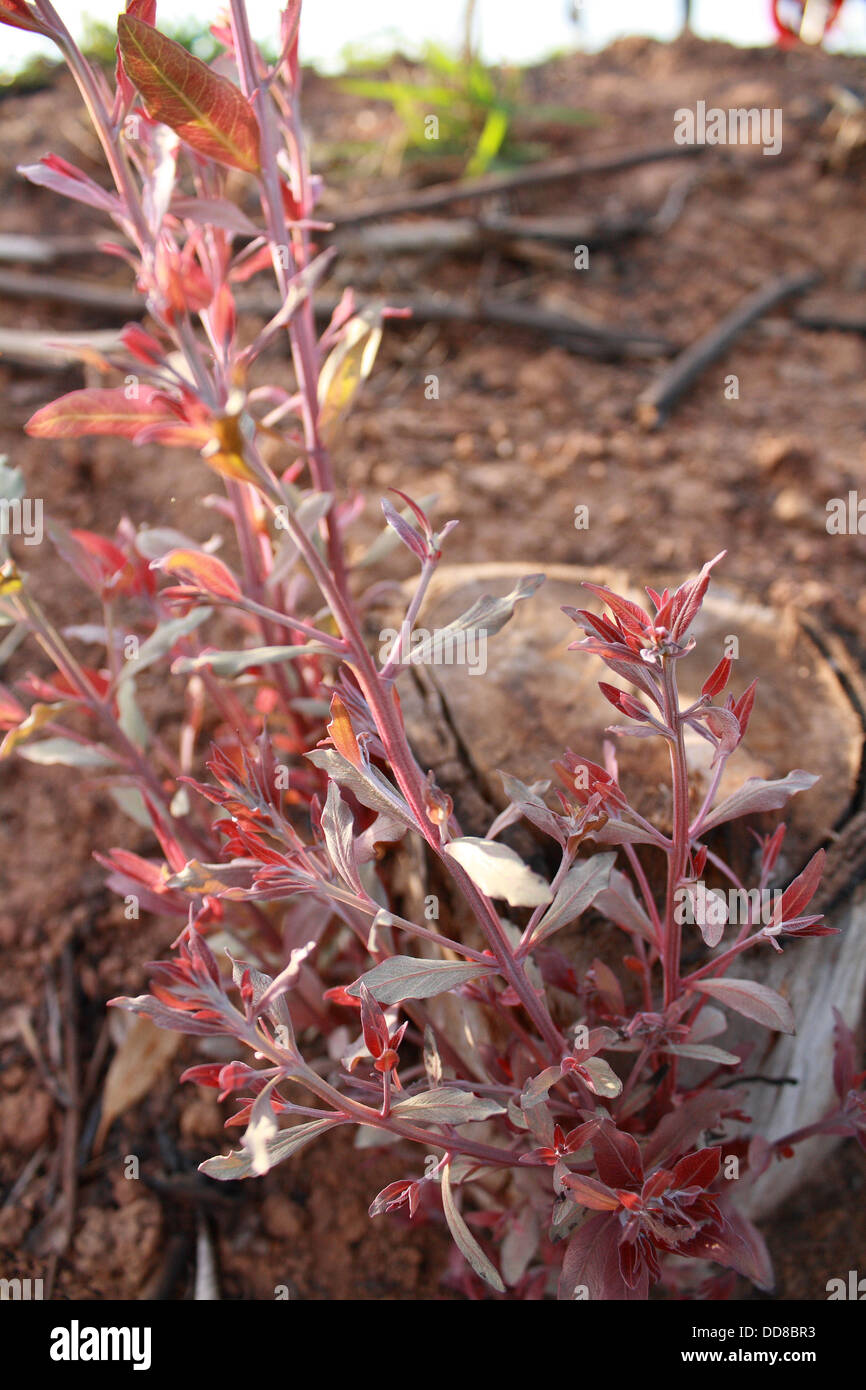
x,y
578,890
519,1245
704,1052
446,1105
752,1000
464,1239
800,893
68,753
162,639
346,367
202,570
591,1269
679,1130
486,616
101,410
589,1192
368,784
207,111
619,902
617,1157
757,795
499,872
235,663
410,977
239,1163
138,1062
737,1245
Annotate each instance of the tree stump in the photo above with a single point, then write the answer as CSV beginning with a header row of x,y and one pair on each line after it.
x,y
535,698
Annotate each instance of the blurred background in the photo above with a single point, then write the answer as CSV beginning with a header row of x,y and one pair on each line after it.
x,y
335,31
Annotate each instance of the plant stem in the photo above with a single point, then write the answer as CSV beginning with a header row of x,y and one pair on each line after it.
x,y
679,850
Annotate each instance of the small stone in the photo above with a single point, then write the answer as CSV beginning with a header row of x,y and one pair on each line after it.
x,y
281,1218
775,453
464,446
25,1119
792,505
201,1117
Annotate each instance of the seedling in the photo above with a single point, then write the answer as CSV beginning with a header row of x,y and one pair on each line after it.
x,y
577,1132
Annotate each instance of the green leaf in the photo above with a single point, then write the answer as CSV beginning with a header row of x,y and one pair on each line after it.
x,y
704,1052
239,1163
66,752
490,142
411,977
370,787
446,1105
207,111
757,795
579,888
465,1240
130,717
487,615
234,663
499,872
605,1081
132,804
162,640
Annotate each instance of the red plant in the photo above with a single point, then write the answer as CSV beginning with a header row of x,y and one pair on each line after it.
x,y
581,1095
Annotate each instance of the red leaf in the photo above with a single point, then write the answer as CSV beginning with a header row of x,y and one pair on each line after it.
x,y
631,615
801,892
589,622
608,986
618,698
374,1025
62,177
686,602
394,1195
204,571
617,1157
20,16
208,1074
717,679
680,1128
743,707
698,1169
99,411
591,1264
591,1193
738,1245
207,111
